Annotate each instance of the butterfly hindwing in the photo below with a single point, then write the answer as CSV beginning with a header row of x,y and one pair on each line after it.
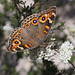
x,y
19,40
45,21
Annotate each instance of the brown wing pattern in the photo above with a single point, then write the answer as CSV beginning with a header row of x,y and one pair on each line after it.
x,y
30,22
45,21
32,32
19,40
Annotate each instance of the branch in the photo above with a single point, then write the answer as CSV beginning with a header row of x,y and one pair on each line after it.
x,y
71,64
17,7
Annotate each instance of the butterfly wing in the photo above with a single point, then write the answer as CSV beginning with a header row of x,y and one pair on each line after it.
x,y
45,20
32,32
30,24
19,40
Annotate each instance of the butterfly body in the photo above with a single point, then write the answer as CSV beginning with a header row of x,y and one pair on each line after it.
x,y
33,31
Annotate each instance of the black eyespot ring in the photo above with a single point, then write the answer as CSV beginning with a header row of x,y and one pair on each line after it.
x,y
43,19
34,21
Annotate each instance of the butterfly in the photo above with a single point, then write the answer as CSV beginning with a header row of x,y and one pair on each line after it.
x,y
33,31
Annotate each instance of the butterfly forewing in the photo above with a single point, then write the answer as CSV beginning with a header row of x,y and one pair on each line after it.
x,y
30,23
45,21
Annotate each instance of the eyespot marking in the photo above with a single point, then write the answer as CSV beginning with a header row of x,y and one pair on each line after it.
x,y
20,31
43,19
50,14
27,25
34,21
16,42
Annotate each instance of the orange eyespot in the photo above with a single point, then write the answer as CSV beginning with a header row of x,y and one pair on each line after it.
x,y
16,42
50,14
34,21
18,36
27,25
14,47
20,31
43,19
